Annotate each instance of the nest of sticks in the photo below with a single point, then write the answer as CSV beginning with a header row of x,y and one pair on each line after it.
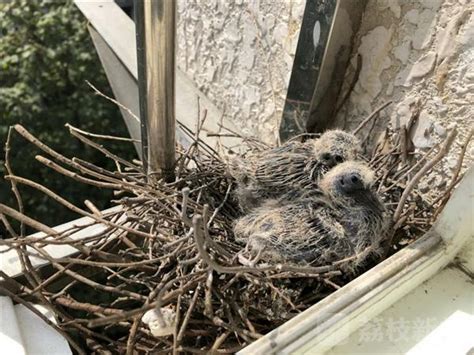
x,y
169,247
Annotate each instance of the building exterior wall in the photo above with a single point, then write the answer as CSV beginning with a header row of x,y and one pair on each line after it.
x,y
240,55
416,51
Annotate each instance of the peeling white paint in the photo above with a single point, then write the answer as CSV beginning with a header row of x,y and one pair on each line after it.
x,y
422,67
374,49
424,30
402,52
240,54
429,55
412,16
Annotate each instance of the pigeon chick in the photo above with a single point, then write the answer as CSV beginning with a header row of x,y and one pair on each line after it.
x,y
292,167
341,220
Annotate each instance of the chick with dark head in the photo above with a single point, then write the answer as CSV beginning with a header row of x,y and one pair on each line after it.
x,y
290,168
345,219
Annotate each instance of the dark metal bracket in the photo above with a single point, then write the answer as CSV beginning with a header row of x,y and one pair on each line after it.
x,y
321,58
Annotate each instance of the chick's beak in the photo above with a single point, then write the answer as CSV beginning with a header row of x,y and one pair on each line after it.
x,y
366,197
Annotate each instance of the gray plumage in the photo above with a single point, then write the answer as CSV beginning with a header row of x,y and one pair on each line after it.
x,y
290,168
341,219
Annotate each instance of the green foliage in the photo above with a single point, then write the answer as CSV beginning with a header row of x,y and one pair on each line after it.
x,y
46,56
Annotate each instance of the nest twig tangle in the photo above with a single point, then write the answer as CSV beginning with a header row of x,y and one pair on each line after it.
x,y
169,247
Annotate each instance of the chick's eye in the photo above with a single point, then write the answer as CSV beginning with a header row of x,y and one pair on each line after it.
x,y
338,159
326,156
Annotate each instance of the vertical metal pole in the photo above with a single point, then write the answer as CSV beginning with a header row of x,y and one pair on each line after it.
x,y
156,32
138,12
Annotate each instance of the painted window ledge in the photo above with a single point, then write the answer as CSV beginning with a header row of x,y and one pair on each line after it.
x,y
10,263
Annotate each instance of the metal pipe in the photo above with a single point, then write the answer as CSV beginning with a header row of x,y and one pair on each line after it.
x,y
156,32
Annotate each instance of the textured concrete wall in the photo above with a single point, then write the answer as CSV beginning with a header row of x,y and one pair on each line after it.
x,y
240,54
417,50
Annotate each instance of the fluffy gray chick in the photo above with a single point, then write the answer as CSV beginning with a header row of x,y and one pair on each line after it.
x,y
290,168
342,221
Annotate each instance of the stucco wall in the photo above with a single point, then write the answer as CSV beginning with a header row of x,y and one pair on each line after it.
x,y
240,54
417,50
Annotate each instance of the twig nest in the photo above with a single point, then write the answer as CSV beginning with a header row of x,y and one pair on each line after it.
x,y
312,231
160,327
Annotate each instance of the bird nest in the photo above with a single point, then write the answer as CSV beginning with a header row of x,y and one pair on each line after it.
x,y
168,248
